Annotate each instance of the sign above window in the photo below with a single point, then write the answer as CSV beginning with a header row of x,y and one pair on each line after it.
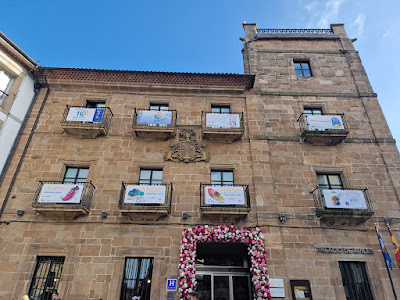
x,y
222,120
145,194
351,199
224,195
324,122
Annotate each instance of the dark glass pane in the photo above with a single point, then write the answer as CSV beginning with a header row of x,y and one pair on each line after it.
x,y
221,288
215,110
241,289
204,286
137,278
322,180
225,110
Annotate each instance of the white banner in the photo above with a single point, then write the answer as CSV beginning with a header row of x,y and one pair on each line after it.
x,y
222,120
145,194
61,193
78,114
224,195
151,117
324,122
352,199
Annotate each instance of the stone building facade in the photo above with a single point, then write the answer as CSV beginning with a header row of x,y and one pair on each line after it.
x,y
126,174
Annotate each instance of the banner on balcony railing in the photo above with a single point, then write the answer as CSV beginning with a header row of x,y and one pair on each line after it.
x,y
61,193
324,122
224,195
222,121
351,199
150,117
145,194
79,114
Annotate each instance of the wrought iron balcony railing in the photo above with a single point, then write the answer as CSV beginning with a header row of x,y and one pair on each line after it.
x,y
356,201
59,194
152,118
296,31
104,119
232,196
135,195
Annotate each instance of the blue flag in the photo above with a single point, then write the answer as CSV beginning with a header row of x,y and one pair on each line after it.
x,y
384,251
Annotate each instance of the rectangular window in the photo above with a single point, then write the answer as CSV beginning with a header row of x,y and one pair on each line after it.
x,y
75,174
355,280
137,279
302,68
313,111
330,181
95,104
158,106
220,109
150,177
46,277
220,177
5,82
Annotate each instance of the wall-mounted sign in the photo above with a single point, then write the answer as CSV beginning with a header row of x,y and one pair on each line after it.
x,y
61,193
276,282
224,195
151,117
352,199
172,284
277,292
222,121
145,194
345,250
78,114
324,122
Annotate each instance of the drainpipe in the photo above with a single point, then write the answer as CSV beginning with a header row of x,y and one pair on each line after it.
x,y
26,146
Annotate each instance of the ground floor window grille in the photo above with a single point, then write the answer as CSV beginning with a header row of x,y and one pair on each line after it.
x,y
355,280
47,277
137,279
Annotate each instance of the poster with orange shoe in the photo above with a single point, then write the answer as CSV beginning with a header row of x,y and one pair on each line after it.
x,y
224,195
61,193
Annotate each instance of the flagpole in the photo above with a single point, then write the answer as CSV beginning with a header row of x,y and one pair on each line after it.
x,y
387,268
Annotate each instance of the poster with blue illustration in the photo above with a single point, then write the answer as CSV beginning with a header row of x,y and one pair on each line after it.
x,y
324,122
145,194
351,199
98,115
149,117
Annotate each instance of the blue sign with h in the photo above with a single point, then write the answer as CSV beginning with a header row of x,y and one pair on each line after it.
x,y
171,284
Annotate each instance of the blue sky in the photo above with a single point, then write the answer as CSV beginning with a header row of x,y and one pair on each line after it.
x,y
197,36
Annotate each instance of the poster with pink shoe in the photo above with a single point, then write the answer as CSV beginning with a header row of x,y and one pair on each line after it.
x,y
61,193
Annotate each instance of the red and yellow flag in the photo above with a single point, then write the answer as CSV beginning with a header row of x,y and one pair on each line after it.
x,y
396,246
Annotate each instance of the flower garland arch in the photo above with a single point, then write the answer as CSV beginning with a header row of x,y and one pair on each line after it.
x,y
224,234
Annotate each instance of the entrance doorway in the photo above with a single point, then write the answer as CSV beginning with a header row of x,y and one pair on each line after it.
x,y
222,271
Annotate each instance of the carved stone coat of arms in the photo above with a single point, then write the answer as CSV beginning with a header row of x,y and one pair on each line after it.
x,y
187,150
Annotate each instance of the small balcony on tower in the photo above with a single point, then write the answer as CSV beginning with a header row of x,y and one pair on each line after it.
x,y
322,129
222,127
346,206
85,122
155,124
224,200
145,201
62,200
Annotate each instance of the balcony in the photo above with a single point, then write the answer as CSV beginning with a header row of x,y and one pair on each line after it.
x,y
58,200
222,127
145,202
225,201
86,123
342,207
324,129
152,124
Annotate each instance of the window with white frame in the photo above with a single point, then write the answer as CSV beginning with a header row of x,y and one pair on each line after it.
x,y
221,177
5,83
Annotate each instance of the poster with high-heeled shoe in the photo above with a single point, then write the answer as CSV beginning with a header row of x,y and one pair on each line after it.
x,y
61,193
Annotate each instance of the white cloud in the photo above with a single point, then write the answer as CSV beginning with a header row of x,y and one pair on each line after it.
x,y
358,24
329,13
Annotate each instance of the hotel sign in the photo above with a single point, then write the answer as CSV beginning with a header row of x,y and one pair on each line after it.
x,y
344,250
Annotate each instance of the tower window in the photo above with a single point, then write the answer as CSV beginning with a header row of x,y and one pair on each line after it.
x,y
302,68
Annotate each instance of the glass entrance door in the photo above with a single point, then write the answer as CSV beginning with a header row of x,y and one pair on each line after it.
x,y
223,286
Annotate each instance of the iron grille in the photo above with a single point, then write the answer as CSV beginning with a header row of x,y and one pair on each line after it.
x,y
203,197
167,203
46,277
137,278
105,121
355,281
296,31
86,197
204,120
136,116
